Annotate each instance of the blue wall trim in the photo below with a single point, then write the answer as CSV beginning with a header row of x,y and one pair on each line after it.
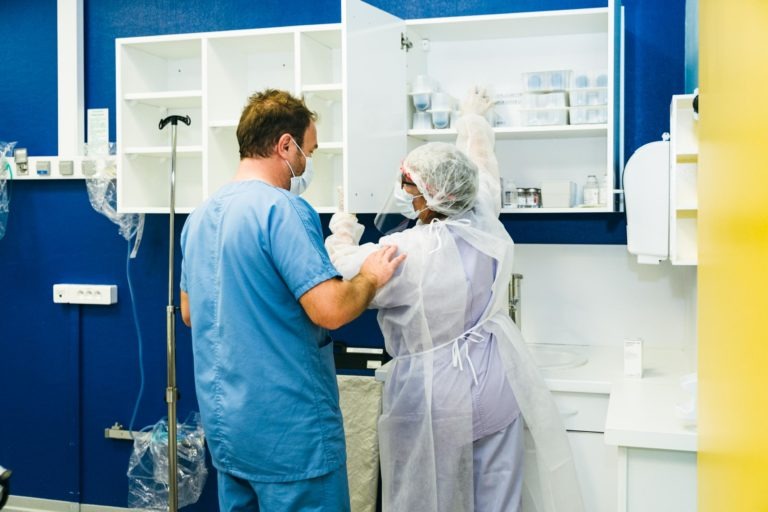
x,y
54,236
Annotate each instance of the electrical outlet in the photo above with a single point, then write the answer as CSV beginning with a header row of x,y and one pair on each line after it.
x,y
85,293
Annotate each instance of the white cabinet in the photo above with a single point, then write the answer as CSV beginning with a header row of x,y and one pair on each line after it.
x,y
683,172
658,480
584,417
355,75
495,51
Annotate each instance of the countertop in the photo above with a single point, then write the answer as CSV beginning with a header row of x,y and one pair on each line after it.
x,y
641,411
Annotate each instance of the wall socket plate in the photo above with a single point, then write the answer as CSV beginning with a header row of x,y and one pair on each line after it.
x,y
85,293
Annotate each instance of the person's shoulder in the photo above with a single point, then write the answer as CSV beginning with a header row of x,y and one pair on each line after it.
x,y
406,237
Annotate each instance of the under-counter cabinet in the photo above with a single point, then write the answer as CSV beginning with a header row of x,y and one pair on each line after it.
x,y
356,76
584,417
656,480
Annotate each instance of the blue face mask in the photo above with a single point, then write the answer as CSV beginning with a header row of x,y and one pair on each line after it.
x,y
299,184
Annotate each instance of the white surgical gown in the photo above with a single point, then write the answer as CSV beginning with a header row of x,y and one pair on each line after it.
x,y
445,336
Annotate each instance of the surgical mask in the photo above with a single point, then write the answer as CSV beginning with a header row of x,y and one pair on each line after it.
x,y
403,202
299,184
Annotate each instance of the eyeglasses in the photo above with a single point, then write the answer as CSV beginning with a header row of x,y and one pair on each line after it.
x,y
405,178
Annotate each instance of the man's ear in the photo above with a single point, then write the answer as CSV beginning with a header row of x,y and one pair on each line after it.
x,y
283,145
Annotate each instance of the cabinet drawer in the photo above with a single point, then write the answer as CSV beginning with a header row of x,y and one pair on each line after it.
x,y
582,411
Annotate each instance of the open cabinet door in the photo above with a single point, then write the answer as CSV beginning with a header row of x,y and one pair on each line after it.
x,y
376,104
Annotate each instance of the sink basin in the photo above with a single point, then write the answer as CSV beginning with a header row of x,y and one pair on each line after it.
x,y
550,357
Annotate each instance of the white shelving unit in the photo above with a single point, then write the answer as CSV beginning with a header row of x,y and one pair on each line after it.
x,y
494,51
355,75
683,167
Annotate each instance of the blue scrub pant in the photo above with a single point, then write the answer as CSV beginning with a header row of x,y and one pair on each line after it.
x,y
327,493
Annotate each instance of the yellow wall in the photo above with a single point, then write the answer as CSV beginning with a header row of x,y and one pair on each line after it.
x,y
733,256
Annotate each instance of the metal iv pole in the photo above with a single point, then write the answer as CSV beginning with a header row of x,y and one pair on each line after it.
x,y
171,392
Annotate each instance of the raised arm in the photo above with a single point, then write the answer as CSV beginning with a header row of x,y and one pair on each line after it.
x,y
477,140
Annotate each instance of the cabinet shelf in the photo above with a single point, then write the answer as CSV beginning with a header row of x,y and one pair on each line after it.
x,y
331,147
525,132
167,99
329,92
575,209
161,151
223,123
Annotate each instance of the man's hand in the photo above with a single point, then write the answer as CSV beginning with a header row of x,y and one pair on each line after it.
x,y
379,266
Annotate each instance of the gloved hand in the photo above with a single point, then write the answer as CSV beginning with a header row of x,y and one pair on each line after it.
x,y
477,101
345,232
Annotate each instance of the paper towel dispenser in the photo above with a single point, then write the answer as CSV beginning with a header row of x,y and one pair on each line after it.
x,y
646,198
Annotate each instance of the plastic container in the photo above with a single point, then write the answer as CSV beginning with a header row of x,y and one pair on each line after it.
x,y
421,100
422,121
588,79
421,91
442,101
509,193
441,118
543,116
591,191
588,97
543,81
544,100
603,193
589,115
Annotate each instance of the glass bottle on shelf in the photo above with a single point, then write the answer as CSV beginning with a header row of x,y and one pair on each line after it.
x,y
591,192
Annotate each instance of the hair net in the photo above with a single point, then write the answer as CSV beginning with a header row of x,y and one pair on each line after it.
x,y
446,176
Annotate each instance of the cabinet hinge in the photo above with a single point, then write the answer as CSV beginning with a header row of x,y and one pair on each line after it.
x,y
405,43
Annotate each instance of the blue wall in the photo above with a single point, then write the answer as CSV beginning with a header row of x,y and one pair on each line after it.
x,y
70,371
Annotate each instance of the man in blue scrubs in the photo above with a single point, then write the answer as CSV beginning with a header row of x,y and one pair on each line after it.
x,y
259,292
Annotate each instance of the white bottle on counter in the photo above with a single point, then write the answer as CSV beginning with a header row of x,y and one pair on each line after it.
x,y
591,192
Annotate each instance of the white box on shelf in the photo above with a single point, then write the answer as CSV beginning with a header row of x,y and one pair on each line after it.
x,y
588,97
558,194
589,115
541,81
544,116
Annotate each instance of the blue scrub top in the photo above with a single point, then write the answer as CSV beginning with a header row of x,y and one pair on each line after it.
x,y
264,373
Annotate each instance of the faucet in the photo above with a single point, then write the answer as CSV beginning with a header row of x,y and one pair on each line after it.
x,y
514,299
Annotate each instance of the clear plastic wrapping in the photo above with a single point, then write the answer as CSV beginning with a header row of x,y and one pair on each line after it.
x,y
148,465
6,148
102,194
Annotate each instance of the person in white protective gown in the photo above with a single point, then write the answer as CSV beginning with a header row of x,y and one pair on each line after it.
x,y
467,421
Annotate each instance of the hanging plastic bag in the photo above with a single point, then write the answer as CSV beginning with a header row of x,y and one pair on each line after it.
x,y
102,194
6,148
148,465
